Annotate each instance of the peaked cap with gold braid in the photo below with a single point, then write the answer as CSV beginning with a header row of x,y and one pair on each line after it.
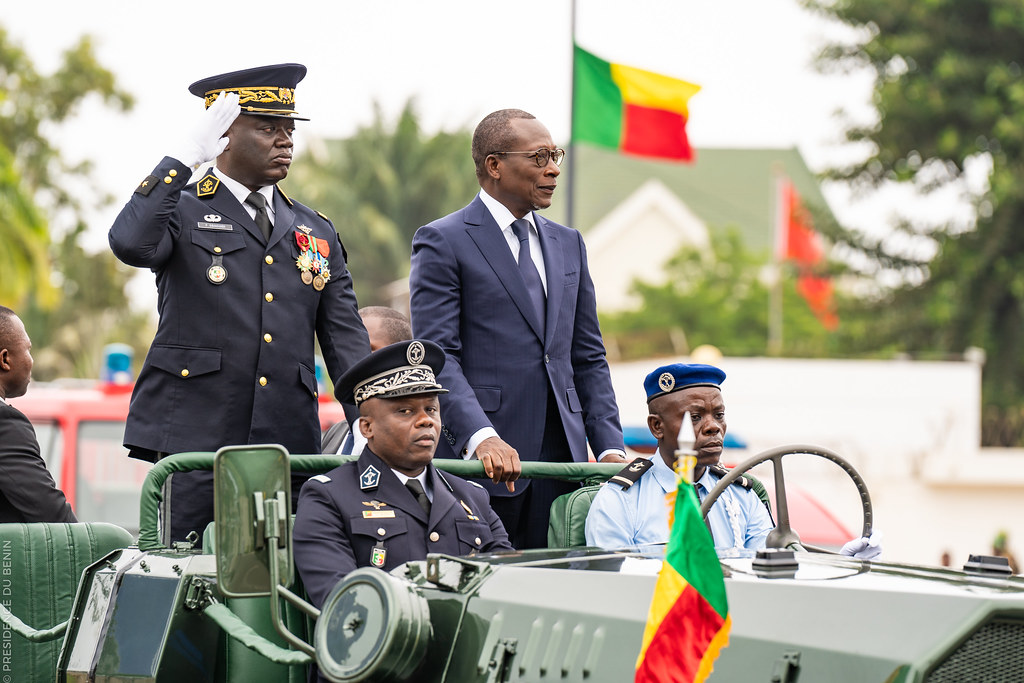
x,y
262,90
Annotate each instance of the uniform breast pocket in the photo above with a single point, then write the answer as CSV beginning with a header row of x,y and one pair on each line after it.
x,y
218,241
184,361
472,535
379,529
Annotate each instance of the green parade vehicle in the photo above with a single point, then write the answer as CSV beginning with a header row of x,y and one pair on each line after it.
x,y
83,602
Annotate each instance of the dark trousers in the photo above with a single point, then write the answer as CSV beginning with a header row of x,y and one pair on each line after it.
x,y
525,514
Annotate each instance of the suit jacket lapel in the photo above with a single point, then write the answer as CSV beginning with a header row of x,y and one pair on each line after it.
x,y
443,498
284,218
554,267
484,231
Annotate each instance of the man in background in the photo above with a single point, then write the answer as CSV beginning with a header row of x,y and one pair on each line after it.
x,y
385,326
27,491
508,295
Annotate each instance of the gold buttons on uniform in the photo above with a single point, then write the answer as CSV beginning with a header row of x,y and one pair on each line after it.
x,y
172,173
434,536
380,531
263,381
269,259
269,296
477,540
167,179
267,338
216,250
184,372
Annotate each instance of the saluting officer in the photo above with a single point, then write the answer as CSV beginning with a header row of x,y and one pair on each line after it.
x,y
392,505
245,277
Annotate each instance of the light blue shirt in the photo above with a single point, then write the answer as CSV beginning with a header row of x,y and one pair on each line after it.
x,y
621,518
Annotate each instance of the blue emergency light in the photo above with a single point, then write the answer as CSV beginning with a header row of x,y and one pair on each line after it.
x,y
117,364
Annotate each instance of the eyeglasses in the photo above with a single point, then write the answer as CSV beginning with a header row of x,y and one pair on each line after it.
x,y
541,156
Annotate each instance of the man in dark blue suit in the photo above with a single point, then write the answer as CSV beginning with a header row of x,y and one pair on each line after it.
x,y
245,278
391,506
526,363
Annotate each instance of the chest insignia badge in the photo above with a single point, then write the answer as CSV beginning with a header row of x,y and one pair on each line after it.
x,y
378,555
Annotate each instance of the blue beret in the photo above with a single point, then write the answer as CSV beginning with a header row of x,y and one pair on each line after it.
x,y
262,90
670,378
407,368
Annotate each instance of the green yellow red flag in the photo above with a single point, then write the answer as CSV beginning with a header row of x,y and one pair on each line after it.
x,y
635,111
688,623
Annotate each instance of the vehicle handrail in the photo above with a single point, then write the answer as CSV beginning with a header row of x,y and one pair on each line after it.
x,y
151,496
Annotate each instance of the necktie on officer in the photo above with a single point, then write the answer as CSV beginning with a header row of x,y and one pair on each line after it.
x,y
707,521
416,487
259,202
528,269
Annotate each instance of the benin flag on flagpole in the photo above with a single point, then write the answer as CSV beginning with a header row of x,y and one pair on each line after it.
x,y
634,111
688,624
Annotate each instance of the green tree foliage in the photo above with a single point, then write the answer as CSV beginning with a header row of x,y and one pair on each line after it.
x,y
948,90
72,302
379,186
721,297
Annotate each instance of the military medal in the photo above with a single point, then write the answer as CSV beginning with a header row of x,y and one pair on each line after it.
x,y
217,273
378,554
305,260
314,268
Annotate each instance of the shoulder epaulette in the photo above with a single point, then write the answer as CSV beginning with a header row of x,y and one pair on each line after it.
x,y
322,478
632,472
322,216
286,197
721,472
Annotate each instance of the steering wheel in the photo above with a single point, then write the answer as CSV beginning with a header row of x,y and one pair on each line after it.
x,y
784,536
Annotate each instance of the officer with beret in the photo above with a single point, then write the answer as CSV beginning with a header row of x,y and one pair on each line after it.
x,y
630,510
392,505
245,278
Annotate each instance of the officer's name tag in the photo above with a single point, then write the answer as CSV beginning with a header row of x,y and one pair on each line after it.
x,y
378,514
215,226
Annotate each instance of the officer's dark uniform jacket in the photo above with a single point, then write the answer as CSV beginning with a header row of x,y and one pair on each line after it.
x,y
361,512
233,360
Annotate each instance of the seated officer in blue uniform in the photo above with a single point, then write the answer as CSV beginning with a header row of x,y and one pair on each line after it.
x,y
631,510
391,506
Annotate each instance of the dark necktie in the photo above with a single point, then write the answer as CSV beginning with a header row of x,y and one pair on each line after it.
x,y
528,269
259,202
416,487
707,522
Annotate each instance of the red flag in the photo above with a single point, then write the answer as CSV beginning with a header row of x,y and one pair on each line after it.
x,y
800,244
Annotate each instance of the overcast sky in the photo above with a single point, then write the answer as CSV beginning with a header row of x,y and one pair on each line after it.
x,y
460,59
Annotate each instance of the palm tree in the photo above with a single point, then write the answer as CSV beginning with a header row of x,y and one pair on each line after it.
x,y
379,186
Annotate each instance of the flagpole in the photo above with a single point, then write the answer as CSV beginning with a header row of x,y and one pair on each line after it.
x,y
571,163
779,250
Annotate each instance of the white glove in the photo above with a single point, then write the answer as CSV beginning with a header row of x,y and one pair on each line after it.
x,y
207,141
864,548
